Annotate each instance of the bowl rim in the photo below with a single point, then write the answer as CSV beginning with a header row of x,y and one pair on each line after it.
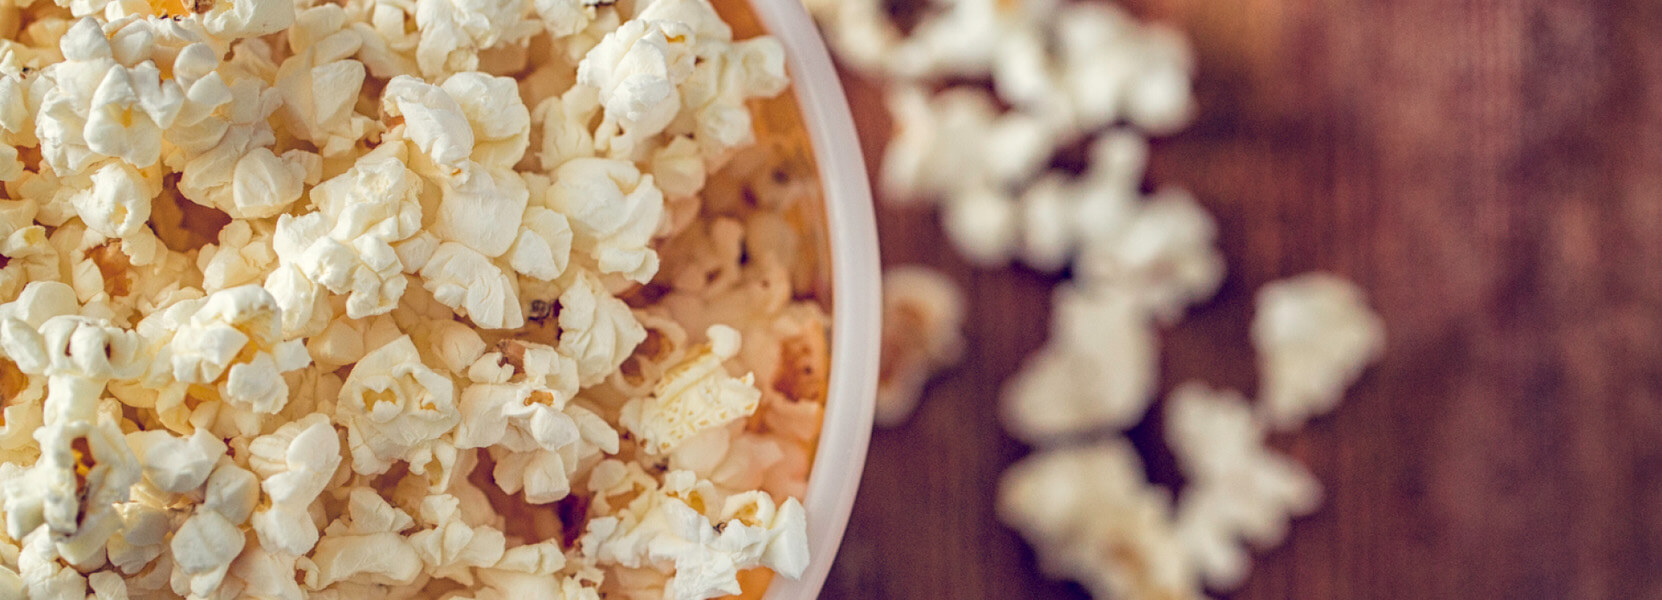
x,y
856,307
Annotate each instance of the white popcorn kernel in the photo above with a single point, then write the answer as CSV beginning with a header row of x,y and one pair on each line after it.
x,y
394,408
453,32
1115,69
143,536
451,548
519,406
364,545
475,287
785,530
1314,335
231,491
173,464
500,121
1239,489
265,574
596,329
1165,255
320,83
693,396
1049,229
242,256
614,210
636,70
543,248
678,168
85,468
1098,370
43,575
923,313
105,586
118,203
478,204
295,464
229,20
1092,517
347,246
203,549
565,126
433,121
11,584
936,143
231,340
982,224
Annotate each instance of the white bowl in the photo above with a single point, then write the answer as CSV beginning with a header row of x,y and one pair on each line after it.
x,y
856,307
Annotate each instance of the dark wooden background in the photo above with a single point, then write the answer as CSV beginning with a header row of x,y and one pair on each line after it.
x,y
1491,171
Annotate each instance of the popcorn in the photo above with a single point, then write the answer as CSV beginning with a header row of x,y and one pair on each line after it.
x,y
463,279
203,548
613,210
176,465
320,83
229,165
230,20
364,545
242,242
243,255
661,526
229,341
597,329
453,33
295,464
923,312
449,547
1098,370
346,246
636,70
982,225
1238,489
693,396
1092,517
1165,253
118,203
395,408
1314,334
1116,69
84,469
92,108
520,406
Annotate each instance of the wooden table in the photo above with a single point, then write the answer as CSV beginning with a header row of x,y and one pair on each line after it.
x,y
1492,173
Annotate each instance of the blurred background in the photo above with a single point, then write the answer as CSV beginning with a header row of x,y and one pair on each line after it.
x,y
1491,173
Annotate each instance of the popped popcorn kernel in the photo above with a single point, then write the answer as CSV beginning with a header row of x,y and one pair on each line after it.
x,y
349,300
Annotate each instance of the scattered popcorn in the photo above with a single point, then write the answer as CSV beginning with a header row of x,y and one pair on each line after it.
x,y
1098,370
983,94
1165,255
923,314
350,300
1093,517
1314,334
1238,489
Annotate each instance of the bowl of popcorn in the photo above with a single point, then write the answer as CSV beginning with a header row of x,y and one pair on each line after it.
x,y
541,299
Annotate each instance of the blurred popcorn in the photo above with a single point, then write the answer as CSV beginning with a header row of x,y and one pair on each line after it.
x,y
1063,74
1238,489
1314,334
1098,371
923,318
1092,516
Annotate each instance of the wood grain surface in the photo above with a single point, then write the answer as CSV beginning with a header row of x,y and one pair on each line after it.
x,y
1491,171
